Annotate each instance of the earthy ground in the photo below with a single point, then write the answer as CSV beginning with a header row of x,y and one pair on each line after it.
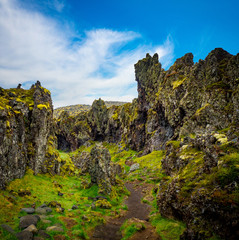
x,y
136,209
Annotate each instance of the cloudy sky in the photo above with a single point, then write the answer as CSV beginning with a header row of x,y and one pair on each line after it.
x,y
82,50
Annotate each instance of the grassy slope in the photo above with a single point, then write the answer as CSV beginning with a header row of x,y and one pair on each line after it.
x,y
44,188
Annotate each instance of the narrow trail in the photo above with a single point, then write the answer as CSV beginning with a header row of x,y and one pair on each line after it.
x,y
136,209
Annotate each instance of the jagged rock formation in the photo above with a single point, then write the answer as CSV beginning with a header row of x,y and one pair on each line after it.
x,y
191,110
25,129
72,132
101,169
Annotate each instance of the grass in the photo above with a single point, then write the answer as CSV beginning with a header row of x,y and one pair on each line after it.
x,y
129,230
45,188
150,168
168,229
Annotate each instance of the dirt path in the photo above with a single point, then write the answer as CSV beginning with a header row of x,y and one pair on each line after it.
x,y
136,209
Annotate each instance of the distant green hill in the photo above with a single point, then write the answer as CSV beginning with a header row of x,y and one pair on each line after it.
x,y
76,109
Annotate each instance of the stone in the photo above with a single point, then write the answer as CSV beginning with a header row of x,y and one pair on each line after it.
x,y
60,209
60,194
100,169
58,224
23,192
43,234
100,198
46,221
54,229
74,207
43,205
28,210
30,127
32,228
7,228
103,204
93,207
85,218
139,224
43,211
24,235
54,204
134,167
28,220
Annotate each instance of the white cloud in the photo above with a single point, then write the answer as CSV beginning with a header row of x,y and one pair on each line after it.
x,y
34,47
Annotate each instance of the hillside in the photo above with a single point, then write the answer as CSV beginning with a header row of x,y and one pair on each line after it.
x,y
74,110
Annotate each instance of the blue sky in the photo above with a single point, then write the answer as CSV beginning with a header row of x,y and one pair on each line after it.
x,y
83,50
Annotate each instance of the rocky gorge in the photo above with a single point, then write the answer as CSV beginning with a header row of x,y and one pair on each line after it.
x,y
188,113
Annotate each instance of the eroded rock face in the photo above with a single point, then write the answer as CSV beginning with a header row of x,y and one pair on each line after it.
x,y
25,128
191,111
203,185
101,169
97,119
72,132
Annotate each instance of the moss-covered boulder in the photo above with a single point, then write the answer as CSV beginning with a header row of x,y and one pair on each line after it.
x,y
101,169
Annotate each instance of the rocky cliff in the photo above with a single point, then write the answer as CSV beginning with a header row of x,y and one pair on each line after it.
x,y
191,111
25,132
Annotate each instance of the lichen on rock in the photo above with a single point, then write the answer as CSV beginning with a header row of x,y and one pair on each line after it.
x,y
101,169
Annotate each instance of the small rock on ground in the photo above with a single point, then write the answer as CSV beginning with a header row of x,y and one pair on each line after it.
x,y
44,210
32,228
54,228
24,235
43,234
134,167
28,210
59,237
28,220
7,228
46,221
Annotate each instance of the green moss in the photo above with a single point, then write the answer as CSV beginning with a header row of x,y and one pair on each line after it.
x,y
199,111
221,138
8,124
151,161
178,83
218,85
175,144
41,106
129,230
44,189
168,229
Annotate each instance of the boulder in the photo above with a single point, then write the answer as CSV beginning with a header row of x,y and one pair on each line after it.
x,y
32,228
43,234
43,210
54,229
24,235
28,220
7,228
28,210
100,169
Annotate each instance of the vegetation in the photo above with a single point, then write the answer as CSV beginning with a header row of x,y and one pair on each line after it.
x,y
44,189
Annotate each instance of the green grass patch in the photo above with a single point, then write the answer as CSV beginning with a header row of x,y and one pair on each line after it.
x,y
45,188
168,229
129,229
